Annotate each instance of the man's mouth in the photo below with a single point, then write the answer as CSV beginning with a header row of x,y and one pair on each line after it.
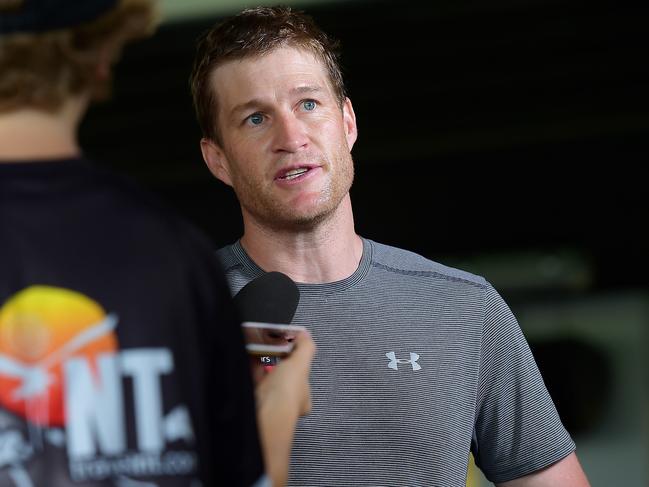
x,y
293,173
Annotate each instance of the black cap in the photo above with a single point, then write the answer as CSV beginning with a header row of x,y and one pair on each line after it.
x,y
33,16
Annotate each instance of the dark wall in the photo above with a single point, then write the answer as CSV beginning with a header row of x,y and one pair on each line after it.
x,y
484,126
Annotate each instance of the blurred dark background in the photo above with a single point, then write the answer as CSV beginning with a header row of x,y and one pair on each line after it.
x,y
483,126
508,138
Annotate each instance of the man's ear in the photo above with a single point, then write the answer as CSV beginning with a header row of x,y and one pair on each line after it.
x,y
349,121
216,161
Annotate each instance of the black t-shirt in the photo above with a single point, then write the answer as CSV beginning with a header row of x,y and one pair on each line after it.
x,y
121,360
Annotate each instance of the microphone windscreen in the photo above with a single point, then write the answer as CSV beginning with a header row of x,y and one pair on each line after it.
x,y
271,298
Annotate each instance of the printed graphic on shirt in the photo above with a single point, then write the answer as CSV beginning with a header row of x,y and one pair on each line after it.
x,y
63,374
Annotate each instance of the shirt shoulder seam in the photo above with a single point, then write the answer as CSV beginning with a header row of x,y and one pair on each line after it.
x,y
428,274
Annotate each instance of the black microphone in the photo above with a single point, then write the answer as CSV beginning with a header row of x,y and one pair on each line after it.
x,y
266,306
271,298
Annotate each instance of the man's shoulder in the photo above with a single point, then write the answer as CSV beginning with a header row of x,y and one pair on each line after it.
x,y
123,203
394,259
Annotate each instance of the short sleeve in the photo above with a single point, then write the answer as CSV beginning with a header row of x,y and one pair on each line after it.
x,y
518,430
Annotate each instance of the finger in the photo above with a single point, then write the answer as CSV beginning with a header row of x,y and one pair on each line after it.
x,y
303,351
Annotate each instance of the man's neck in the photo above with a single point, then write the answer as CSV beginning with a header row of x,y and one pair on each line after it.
x,y
330,252
29,134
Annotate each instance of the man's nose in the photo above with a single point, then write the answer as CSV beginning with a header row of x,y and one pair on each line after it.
x,y
290,134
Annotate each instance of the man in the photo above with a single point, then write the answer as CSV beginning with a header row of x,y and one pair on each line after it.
x,y
121,362
418,364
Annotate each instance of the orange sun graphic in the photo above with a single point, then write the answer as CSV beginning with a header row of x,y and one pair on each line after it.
x,y
40,328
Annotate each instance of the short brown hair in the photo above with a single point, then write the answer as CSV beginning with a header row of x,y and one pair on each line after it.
x,y
40,70
253,32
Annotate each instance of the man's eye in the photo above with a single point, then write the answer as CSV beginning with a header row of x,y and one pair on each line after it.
x,y
309,105
256,118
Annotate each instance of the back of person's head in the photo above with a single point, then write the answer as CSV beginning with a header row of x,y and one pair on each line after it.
x,y
53,49
251,33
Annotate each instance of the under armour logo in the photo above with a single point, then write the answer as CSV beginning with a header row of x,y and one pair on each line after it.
x,y
394,361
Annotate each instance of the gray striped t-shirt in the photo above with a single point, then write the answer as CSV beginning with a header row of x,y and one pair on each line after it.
x,y
417,364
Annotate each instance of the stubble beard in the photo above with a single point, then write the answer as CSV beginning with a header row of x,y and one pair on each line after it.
x,y
274,215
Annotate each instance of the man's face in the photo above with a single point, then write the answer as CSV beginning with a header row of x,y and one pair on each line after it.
x,y
285,139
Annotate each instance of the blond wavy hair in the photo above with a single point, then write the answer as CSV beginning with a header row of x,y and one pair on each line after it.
x,y
41,70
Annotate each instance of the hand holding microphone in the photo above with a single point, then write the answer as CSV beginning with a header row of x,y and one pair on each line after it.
x,y
266,307
283,395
